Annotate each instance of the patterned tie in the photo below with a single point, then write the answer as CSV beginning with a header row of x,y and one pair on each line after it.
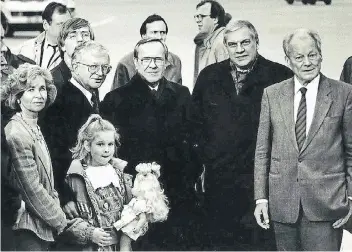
x,y
301,119
95,101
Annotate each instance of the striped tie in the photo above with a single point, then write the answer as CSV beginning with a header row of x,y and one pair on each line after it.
x,y
301,119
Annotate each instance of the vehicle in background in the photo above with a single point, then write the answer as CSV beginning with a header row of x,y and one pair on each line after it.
x,y
26,15
328,2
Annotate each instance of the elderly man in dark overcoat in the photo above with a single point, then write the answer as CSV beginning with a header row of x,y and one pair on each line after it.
x,y
152,115
225,115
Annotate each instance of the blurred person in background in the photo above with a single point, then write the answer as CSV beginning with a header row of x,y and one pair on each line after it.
x,y
225,116
346,74
153,27
74,32
44,49
211,19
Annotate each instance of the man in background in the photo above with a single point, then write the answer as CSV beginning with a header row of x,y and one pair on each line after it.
x,y
44,49
153,27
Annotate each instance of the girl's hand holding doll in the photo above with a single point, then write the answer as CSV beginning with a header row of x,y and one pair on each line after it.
x,y
101,238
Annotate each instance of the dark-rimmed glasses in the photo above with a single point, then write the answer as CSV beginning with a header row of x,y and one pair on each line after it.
x,y
148,60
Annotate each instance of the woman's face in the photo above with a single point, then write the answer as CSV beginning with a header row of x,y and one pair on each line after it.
x,y
34,98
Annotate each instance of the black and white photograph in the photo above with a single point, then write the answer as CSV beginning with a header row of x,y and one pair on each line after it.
x,y
176,125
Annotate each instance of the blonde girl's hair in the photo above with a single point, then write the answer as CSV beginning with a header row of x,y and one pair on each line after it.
x,y
87,132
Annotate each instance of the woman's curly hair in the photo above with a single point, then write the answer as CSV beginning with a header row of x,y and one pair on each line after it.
x,y
19,81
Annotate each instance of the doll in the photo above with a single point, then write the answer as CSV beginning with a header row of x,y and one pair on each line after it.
x,y
149,203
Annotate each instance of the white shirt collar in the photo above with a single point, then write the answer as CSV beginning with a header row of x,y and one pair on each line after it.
x,y
314,84
86,93
154,88
102,176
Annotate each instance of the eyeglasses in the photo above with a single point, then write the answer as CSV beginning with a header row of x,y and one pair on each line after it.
x,y
200,16
147,61
105,69
85,35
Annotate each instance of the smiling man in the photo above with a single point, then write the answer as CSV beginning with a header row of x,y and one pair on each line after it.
x,y
78,100
151,114
225,116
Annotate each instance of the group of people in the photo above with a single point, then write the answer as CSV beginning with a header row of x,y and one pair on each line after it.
x,y
253,137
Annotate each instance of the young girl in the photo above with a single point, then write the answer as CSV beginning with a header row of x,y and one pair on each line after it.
x,y
99,185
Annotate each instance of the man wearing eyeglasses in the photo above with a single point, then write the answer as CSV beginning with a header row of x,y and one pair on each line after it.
x,y
78,100
151,114
210,19
153,27
43,49
225,116
74,32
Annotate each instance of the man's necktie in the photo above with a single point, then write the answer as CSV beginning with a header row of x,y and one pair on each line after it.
x,y
154,93
52,56
95,101
301,122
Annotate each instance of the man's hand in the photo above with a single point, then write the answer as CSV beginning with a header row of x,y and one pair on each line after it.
x,y
101,238
70,210
340,222
261,215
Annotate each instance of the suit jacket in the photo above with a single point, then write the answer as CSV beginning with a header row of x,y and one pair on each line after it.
x,y
224,124
61,76
126,69
346,74
33,178
32,49
151,129
319,176
60,125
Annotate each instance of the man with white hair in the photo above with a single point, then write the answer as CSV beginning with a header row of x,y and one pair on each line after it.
x,y
303,158
77,101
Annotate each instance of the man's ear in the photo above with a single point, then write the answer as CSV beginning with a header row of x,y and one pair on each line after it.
x,y
216,21
46,25
144,36
86,145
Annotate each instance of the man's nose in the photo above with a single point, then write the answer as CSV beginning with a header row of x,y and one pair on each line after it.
x,y
306,61
239,48
152,64
100,70
79,37
158,35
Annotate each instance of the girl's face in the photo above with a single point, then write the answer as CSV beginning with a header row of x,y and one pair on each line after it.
x,y
34,98
102,148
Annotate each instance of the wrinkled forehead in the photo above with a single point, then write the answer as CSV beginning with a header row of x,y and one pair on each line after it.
x,y
204,9
302,44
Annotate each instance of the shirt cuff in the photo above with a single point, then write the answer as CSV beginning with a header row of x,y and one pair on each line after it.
x,y
350,198
258,201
